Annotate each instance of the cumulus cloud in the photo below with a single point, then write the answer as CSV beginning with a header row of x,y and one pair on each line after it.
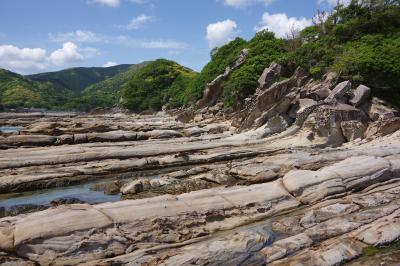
x,y
22,60
243,3
151,44
32,60
138,22
221,32
80,36
280,23
334,2
110,3
66,55
110,64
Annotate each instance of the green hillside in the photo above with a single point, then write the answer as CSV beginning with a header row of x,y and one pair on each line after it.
x,y
105,93
18,91
158,83
77,79
360,41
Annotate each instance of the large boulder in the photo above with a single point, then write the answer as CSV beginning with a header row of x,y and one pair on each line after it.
x,y
360,95
353,130
269,76
339,92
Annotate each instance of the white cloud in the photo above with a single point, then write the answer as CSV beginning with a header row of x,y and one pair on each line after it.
x,y
243,3
22,60
138,22
80,36
334,2
33,60
116,3
110,64
68,54
151,44
280,23
111,3
221,32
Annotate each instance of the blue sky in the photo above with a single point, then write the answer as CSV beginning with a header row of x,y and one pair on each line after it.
x,y
48,35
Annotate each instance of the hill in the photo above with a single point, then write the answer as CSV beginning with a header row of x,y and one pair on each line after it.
x,y
105,93
77,79
361,42
156,84
19,91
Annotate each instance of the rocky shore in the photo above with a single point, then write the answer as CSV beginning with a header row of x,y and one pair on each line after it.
x,y
306,173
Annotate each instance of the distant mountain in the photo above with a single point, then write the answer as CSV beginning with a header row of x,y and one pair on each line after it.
x,y
19,91
76,88
77,79
105,93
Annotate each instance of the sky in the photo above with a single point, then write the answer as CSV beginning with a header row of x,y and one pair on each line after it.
x,y
49,35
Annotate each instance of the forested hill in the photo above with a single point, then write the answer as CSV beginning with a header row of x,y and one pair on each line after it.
x,y
77,79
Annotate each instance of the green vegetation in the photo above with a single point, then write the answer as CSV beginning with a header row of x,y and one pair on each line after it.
x,y
156,84
105,93
77,79
361,41
220,59
18,91
264,48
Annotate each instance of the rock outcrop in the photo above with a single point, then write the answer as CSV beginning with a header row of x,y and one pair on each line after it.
x,y
214,88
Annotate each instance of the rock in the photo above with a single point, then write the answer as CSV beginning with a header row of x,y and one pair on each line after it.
x,y
185,116
383,127
214,88
23,208
28,140
270,75
360,95
324,122
193,131
351,174
109,188
378,109
339,92
278,124
64,201
353,130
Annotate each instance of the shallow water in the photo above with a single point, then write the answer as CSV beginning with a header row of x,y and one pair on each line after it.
x,y
82,192
45,196
9,129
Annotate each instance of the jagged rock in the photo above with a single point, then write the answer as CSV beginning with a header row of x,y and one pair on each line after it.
x,y
378,109
339,92
360,95
214,88
269,76
325,121
353,129
383,127
185,116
